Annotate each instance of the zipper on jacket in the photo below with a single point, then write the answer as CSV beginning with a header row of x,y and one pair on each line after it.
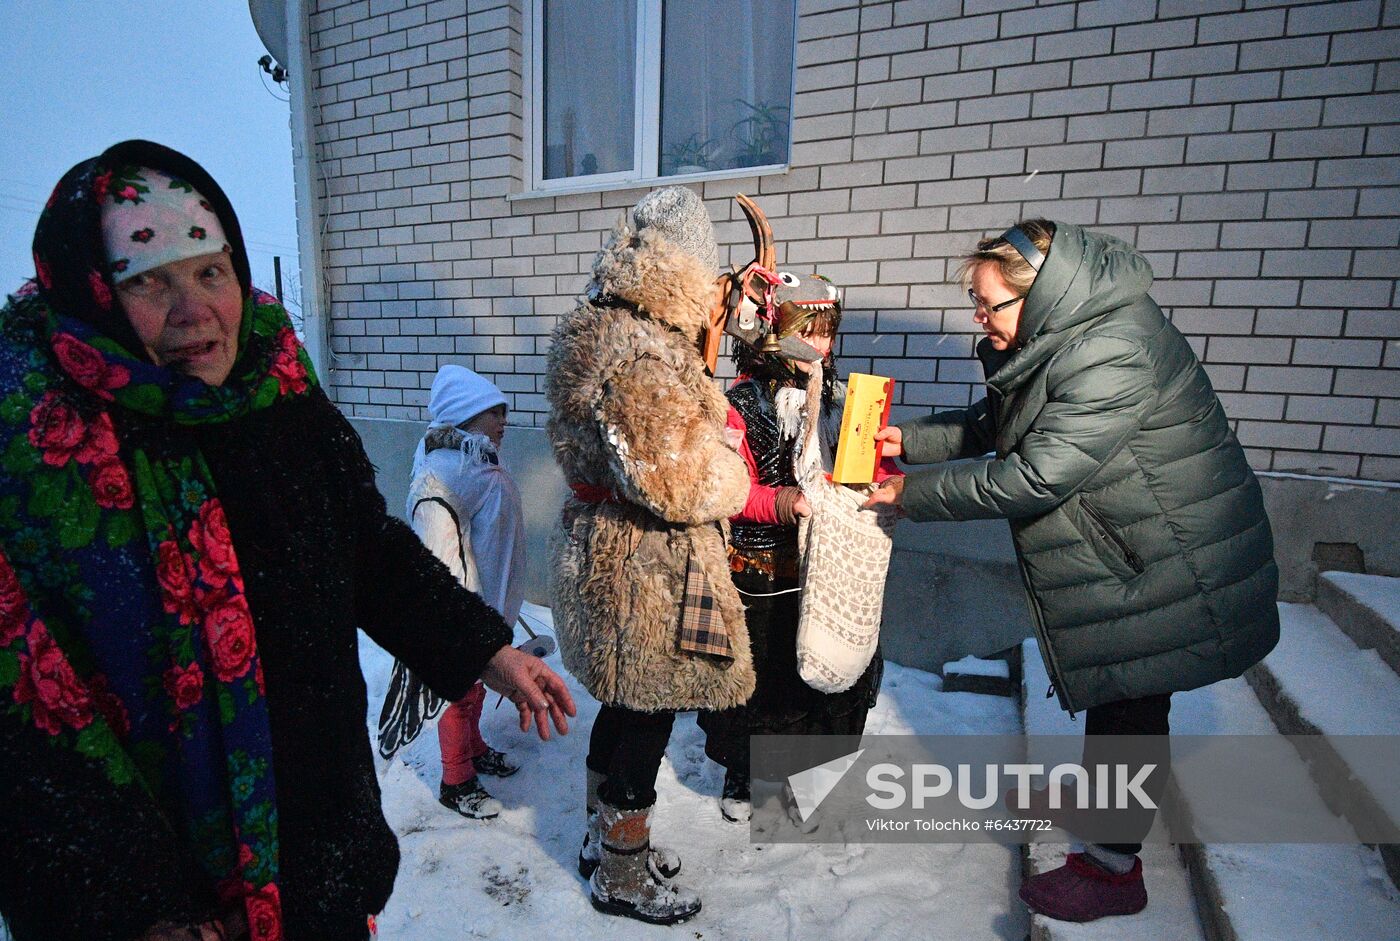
x,y
1050,693
1042,637
1132,558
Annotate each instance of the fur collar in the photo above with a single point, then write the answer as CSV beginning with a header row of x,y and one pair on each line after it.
x,y
471,443
647,270
472,448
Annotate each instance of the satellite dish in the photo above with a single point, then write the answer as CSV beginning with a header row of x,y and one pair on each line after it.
x,y
270,21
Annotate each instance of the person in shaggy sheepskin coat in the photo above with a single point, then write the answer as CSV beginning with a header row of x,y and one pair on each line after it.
x,y
647,616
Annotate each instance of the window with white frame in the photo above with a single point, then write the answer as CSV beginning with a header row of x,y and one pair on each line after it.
x,y
625,90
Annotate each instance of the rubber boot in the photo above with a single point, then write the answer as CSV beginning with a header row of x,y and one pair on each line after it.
x,y
664,863
1082,890
623,883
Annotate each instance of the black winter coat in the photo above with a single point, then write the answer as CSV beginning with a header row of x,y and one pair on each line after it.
x,y
1139,526
320,557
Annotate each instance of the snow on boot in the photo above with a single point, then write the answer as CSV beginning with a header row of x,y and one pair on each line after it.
x,y
735,801
623,883
1082,890
469,799
664,863
494,763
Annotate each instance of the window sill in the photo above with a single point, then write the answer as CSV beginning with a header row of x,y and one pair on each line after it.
x,y
570,189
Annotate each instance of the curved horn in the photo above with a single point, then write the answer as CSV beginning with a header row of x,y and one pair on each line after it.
x,y
763,250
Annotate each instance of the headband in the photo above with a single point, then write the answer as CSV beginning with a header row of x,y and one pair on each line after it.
x,y
1023,244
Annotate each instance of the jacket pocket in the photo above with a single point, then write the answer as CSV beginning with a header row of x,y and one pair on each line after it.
x,y
1112,549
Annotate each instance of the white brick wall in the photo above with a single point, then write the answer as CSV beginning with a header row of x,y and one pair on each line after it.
x,y
1249,147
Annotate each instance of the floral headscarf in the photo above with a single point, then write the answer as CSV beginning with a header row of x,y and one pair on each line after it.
x,y
158,680
150,218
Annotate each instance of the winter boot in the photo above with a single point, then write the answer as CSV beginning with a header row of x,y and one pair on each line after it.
x,y
1083,890
735,801
494,763
469,799
623,883
664,863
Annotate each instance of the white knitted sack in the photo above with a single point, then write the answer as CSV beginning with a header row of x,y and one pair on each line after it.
x,y
845,556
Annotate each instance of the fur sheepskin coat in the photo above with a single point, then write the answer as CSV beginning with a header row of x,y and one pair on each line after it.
x,y
633,413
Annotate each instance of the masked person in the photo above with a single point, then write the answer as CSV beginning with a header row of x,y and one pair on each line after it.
x,y
189,536
1138,524
647,616
765,413
464,506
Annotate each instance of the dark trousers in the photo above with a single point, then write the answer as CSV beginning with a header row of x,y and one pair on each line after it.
x,y
1139,717
627,746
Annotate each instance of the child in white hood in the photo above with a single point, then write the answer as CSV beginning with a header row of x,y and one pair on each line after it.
x,y
465,508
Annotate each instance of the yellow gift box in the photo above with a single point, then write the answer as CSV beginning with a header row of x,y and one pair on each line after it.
x,y
867,411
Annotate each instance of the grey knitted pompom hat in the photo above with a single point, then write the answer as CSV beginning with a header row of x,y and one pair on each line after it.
x,y
679,216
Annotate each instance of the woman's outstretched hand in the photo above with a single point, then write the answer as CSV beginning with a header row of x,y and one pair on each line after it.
x,y
536,690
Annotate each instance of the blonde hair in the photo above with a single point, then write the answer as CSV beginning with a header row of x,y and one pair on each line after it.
x,y
1013,268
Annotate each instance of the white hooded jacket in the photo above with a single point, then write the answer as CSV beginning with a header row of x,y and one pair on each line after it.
x,y
466,509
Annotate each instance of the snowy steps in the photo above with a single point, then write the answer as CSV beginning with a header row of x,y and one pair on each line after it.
x,y
1318,680
1276,891
1366,608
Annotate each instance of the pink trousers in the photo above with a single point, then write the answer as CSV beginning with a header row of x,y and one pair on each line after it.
x,y
459,736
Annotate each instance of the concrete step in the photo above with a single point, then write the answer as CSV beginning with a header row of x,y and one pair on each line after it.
x,y
1277,892
1171,910
1366,608
1317,682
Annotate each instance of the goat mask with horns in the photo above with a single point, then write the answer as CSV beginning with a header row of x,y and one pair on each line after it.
x,y
750,298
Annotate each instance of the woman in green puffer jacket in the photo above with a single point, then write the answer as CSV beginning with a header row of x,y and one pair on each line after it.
x,y
1139,527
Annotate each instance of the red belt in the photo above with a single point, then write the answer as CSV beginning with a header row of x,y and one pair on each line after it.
x,y
592,493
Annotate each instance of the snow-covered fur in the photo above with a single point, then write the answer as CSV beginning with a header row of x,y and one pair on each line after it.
x,y
632,411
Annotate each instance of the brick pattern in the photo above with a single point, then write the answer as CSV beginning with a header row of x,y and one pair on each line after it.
x,y
1248,148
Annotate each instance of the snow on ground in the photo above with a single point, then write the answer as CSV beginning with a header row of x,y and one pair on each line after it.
x,y
516,876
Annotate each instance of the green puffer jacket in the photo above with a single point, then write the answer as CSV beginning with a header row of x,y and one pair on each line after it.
x,y
1139,527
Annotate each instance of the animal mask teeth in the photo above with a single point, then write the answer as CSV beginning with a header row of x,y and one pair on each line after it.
x,y
815,305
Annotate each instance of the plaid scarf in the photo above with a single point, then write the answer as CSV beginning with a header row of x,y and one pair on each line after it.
x,y
158,680
702,629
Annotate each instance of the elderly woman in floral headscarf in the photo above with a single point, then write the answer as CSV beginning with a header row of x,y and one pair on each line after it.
x,y
189,536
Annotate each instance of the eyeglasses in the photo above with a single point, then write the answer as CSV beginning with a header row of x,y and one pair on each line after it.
x,y
978,303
